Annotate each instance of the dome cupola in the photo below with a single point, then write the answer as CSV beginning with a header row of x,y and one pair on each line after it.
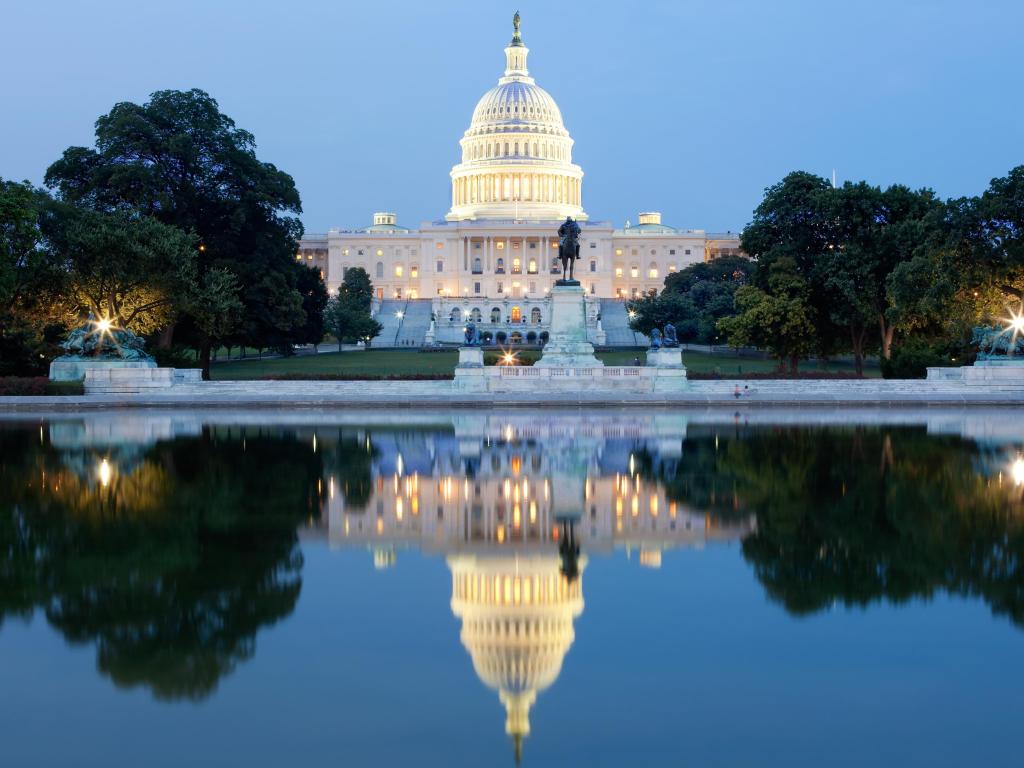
x,y
516,153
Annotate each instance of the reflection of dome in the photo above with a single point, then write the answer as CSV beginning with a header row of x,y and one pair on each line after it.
x,y
517,615
516,154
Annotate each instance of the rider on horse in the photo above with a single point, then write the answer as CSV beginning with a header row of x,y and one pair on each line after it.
x,y
568,246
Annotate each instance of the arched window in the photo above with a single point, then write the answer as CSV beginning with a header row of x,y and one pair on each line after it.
x,y
535,315
477,266
456,316
517,315
517,265
475,315
517,337
652,271
380,269
398,270
634,271
495,315
500,267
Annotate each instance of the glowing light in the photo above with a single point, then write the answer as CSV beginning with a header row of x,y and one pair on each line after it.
x,y
508,358
399,314
105,473
1016,322
1017,470
632,314
104,325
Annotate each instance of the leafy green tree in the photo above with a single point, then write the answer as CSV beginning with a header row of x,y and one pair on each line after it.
x,y
347,315
128,268
779,319
348,321
656,310
179,159
357,286
876,231
793,223
26,276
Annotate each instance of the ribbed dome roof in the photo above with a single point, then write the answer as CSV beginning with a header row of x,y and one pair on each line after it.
x,y
517,106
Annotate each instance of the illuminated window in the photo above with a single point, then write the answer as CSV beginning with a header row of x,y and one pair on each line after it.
x,y
414,271
439,246
298,257
652,271
398,270
532,267
618,251
618,271
517,267
671,268
634,271
500,245
309,256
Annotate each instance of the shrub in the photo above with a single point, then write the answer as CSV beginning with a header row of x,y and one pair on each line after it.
x,y
357,377
913,358
28,386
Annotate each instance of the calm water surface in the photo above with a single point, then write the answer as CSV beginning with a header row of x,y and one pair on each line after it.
x,y
476,588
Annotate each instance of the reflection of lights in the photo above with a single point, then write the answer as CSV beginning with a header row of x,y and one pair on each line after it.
x,y
105,473
1017,470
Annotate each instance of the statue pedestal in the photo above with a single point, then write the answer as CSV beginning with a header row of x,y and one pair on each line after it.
x,y
670,373
71,369
469,373
567,345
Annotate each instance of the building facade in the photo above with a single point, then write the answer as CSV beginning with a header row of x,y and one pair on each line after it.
x,y
515,182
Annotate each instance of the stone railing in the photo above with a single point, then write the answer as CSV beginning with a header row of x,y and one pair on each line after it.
x,y
509,378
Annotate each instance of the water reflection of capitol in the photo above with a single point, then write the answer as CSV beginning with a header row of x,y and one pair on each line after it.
x,y
498,497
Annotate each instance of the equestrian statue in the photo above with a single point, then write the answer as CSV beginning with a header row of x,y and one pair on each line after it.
x,y
568,250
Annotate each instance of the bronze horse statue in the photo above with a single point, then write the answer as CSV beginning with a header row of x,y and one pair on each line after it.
x,y
568,249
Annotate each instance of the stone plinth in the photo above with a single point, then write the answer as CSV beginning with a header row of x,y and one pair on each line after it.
x,y
63,369
470,375
984,372
127,381
567,345
669,371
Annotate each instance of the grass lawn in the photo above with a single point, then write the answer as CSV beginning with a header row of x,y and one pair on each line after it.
x,y
400,362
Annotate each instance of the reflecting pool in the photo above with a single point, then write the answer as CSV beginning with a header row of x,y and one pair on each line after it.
x,y
485,588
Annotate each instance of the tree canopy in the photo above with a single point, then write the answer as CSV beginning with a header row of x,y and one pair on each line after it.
x,y
180,160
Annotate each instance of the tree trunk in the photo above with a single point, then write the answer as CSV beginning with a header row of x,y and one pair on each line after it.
x,y
857,344
794,362
204,358
887,331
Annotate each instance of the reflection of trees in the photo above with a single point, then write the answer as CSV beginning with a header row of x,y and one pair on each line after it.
x,y
350,458
174,566
861,514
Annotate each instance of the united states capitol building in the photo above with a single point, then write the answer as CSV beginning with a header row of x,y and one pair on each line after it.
x,y
492,258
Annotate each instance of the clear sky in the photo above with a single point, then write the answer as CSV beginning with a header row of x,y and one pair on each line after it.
x,y
688,107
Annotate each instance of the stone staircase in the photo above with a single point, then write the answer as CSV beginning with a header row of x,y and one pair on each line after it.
x,y
387,316
415,323
615,323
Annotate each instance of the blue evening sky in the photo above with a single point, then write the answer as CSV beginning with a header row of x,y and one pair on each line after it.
x,y
691,108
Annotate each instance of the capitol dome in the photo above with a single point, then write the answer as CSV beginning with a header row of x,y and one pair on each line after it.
x,y
516,153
